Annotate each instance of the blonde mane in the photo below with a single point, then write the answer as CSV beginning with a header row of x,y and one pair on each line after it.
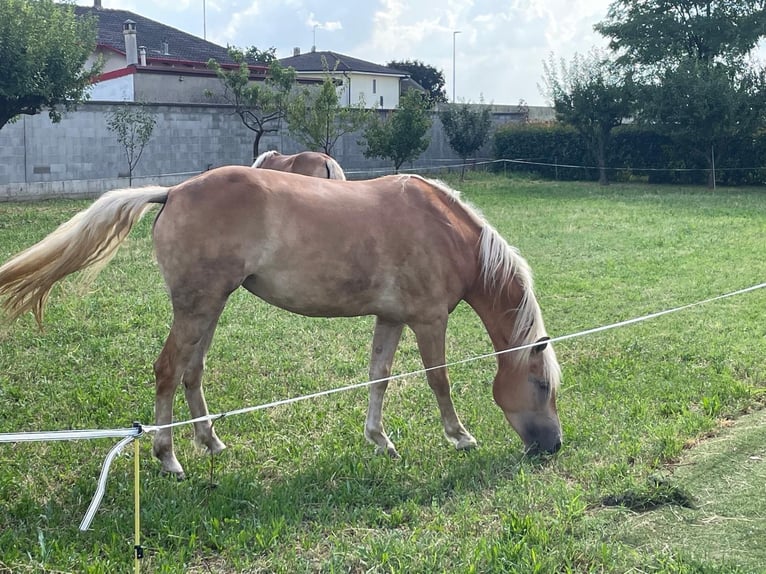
x,y
501,265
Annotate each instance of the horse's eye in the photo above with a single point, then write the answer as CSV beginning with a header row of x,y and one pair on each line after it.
x,y
542,384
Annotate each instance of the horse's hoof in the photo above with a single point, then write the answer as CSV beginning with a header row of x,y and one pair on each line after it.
x,y
173,468
215,447
388,450
210,446
180,475
466,443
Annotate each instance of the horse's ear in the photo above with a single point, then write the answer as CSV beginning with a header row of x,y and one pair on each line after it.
x,y
540,344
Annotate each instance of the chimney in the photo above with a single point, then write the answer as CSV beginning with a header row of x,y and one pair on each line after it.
x,y
313,49
131,52
296,51
165,48
142,55
97,4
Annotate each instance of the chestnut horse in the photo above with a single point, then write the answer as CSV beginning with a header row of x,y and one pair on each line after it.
x,y
314,163
401,247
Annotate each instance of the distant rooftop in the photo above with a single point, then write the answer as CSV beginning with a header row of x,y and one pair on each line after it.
x,y
313,62
181,46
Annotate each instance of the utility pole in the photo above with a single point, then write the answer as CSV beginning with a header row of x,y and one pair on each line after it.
x,y
454,35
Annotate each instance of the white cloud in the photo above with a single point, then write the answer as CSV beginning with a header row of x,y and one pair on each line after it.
x,y
329,26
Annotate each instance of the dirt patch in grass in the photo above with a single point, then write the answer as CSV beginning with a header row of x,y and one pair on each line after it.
x,y
726,478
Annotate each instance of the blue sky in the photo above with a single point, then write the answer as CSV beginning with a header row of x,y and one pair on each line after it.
x,y
498,54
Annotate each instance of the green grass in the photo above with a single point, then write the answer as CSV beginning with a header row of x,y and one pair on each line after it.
x,y
299,490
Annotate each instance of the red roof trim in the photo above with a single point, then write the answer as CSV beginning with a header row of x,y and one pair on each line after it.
x,y
116,74
153,59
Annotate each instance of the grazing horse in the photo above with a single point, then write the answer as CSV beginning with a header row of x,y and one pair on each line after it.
x,y
401,247
314,163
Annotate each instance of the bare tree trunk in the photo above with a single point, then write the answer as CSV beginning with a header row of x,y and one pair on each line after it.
x,y
603,178
256,144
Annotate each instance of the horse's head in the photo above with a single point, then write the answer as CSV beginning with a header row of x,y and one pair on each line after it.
x,y
525,389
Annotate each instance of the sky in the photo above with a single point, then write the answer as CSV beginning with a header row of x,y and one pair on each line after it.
x,y
498,54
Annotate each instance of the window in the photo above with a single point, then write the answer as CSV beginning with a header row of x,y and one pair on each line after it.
x,y
381,101
374,86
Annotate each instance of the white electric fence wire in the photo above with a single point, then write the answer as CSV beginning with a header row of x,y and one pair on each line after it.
x,y
65,435
218,416
96,502
134,433
537,163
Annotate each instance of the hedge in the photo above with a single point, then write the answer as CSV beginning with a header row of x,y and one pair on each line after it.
x,y
635,153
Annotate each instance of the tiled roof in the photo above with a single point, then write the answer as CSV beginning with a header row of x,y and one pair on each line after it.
x,y
151,34
312,62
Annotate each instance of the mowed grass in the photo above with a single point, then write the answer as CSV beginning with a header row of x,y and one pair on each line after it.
x,y
299,489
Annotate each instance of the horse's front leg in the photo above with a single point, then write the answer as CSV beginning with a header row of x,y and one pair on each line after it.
x,y
430,338
384,343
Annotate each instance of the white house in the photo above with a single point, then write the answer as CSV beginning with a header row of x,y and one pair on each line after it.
x,y
378,86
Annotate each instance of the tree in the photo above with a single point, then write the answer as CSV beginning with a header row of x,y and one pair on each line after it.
x,y
703,107
267,56
261,105
467,128
316,118
133,126
43,51
689,56
402,136
591,95
427,76
662,32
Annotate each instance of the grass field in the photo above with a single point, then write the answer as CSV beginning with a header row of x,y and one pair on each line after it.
x,y
299,489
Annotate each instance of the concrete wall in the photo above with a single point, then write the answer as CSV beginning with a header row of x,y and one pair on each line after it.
x,y
156,86
187,139
80,156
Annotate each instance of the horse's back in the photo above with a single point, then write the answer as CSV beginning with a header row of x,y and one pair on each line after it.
x,y
316,246
311,163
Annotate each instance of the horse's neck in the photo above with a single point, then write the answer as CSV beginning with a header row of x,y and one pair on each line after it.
x,y
498,312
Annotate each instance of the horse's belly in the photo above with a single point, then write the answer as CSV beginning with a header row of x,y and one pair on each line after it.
x,y
328,296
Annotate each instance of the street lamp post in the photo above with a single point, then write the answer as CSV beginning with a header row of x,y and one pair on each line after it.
x,y
454,35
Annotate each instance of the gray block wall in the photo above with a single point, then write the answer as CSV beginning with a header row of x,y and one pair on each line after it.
x,y
80,156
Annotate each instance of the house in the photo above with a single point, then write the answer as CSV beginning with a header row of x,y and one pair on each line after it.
x,y
378,86
146,61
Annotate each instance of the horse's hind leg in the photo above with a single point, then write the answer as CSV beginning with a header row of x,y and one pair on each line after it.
x,y
384,345
204,434
194,322
430,337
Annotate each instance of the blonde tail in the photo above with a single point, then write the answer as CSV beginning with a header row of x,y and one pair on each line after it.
x,y
88,240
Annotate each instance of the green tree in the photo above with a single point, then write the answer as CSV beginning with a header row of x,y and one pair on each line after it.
x,y
262,104
703,107
255,55
133,126
467,128
427,76
43,51
591,95
689,56
317,119
661,32
402,135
